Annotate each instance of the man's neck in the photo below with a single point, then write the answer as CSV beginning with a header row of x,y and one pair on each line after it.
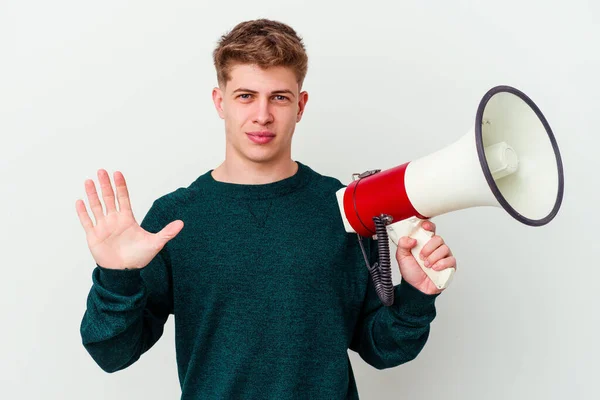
x,y
250,173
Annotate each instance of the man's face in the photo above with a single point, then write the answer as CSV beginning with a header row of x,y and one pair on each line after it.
x,y
260,109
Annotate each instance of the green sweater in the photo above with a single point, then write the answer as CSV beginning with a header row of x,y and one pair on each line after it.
x,y
268,292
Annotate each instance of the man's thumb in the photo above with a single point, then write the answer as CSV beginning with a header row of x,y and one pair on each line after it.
x,y
405,244
169,232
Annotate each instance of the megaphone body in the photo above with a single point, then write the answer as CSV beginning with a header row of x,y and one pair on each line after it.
x,y
509,160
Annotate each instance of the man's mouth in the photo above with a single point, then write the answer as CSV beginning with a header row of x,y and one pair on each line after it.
x,y
260,137
261,134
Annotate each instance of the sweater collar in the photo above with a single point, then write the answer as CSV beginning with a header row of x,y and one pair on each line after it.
x,y
301,177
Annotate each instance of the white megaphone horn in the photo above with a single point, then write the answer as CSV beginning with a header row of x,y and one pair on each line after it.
x,y
510,159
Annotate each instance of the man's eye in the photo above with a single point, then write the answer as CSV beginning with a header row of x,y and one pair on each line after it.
x,y
245,94
280,97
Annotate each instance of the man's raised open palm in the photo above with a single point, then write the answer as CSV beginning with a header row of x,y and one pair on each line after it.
x,y
117,241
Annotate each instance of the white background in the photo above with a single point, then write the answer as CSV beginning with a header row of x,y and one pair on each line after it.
x,y
127,86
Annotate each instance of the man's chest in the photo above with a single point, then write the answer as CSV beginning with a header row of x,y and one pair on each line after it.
x,y
263,261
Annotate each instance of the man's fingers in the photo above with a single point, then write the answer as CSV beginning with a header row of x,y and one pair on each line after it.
x,y
95,205
432,244
441,252
122,192
83,215
107,191
429,226
448,262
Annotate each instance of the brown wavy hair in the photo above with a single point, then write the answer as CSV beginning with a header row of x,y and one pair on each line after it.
x,y
263,42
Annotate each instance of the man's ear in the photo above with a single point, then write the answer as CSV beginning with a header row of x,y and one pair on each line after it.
x,y
302,100
217,96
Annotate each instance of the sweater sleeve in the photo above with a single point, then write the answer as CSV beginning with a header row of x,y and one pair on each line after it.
x,y
386,337
127,309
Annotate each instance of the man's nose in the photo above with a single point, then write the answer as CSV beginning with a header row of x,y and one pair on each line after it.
x,y
263,114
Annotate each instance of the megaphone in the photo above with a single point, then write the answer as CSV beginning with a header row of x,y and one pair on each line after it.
x,y
509,159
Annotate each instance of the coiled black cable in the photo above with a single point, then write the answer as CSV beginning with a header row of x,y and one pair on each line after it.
x,y
381,271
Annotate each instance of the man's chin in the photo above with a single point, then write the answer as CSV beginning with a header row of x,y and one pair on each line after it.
x,y
263,158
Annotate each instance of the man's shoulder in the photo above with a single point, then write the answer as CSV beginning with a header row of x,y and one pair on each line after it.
x,y
179,198
325,181
188,196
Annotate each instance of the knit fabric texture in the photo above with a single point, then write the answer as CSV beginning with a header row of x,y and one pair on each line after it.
x,y
268,292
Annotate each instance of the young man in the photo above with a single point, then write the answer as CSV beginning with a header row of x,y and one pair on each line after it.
x,y
267,289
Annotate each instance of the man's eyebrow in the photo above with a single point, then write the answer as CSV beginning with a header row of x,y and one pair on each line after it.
x,y
273,92
244,90
283,91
